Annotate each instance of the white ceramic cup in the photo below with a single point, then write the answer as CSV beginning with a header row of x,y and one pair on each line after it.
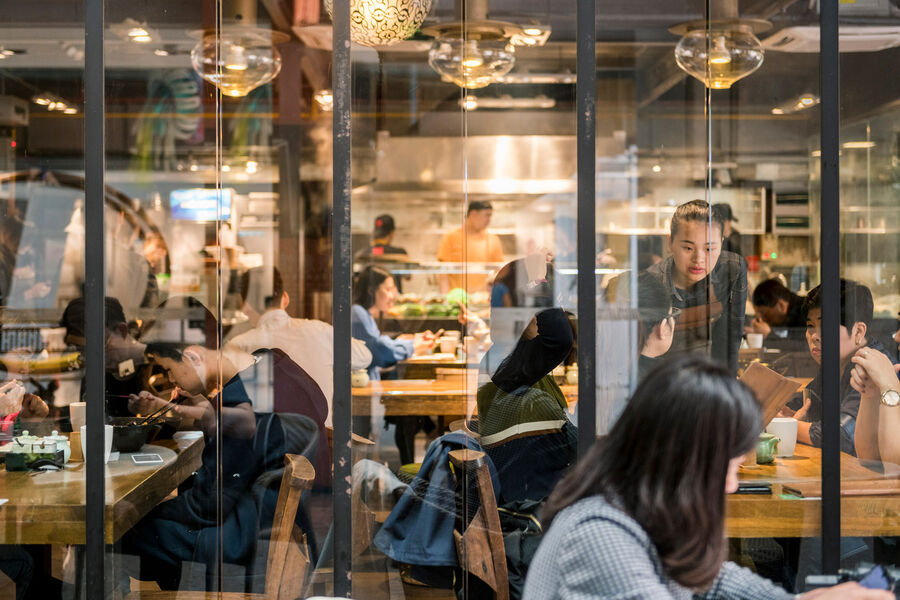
x,y
107,438
785,429
755,340
448,345
78,414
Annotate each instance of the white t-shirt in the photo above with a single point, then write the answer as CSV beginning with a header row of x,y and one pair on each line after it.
x,y
309,343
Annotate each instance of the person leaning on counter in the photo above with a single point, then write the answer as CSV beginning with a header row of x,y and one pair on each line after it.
x,y
471,243
708,285
874,376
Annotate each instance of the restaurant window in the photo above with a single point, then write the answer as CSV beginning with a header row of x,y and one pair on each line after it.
x,y
340,299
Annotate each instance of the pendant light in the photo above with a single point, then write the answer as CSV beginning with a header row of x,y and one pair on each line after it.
x,y
473,51
383,22
238,57
721,50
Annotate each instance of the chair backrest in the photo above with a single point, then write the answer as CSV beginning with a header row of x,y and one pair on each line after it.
x,y
480,547
288,559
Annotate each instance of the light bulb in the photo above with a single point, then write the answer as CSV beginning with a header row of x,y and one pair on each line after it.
x,y
470,102
251,166
532,31
136,32
236,61
142,39
719,55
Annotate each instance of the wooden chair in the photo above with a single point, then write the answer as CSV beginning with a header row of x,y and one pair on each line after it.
x,y
480,547
287,559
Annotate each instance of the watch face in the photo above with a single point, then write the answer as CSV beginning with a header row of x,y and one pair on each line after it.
x,y
890,398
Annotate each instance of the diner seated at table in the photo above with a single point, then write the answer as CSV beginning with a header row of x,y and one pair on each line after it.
x,y
187,528
874,376
522,417
855,321
374,294
308,342
636,519
20,410
127,369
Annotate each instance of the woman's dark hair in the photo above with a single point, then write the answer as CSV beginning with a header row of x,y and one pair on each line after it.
x,y
366,283
856,303
697,211
665,460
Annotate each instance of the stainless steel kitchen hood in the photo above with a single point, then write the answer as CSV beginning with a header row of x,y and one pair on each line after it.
x,y
489,165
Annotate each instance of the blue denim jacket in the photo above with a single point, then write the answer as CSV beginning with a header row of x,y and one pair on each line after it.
x,y
419,530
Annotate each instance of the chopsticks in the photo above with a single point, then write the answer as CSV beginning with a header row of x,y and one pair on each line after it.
x,y
165,407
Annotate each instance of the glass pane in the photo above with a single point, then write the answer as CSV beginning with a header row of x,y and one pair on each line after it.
x,y
42,248
464,238
869,252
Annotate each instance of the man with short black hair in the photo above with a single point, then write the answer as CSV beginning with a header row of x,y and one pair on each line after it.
x,y
470,244
732,241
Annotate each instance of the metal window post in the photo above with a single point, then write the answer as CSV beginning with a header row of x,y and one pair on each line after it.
x,y
586,102
829,253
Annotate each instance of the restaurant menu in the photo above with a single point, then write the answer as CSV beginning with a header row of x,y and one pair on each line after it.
x,y
771,389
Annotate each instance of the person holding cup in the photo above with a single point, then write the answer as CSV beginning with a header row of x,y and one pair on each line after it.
x,y
647,520
874,376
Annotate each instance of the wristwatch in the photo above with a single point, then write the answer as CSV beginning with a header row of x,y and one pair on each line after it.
x,y
890,398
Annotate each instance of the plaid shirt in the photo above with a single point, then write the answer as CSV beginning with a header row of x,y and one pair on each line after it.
x,y
594,550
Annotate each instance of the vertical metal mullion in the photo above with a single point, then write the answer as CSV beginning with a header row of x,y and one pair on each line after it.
x,y
586,102
830,270
341,286
94,293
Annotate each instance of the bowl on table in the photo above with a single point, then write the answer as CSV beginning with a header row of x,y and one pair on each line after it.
x,y
129,433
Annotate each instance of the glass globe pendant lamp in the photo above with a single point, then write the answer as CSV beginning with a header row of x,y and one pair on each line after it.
x,y
384,22
472,64
238,58
719,52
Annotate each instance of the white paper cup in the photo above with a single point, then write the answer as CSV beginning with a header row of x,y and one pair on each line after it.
x,y
755,340
448,345
78,414
107,438
785,429
453,333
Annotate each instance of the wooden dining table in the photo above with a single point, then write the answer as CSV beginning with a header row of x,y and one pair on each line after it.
x,y
408,397
49,507
782,514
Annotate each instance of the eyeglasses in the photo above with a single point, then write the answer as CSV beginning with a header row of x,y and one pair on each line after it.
x,y
673,313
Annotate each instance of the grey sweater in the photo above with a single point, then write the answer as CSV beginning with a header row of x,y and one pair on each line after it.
x,y
594,550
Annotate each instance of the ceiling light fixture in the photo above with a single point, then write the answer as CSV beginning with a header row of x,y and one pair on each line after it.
x,y
721,50
860,145
54,103
131,30
532,34
796,104
238,57
472,102
472,52
325,100
384,22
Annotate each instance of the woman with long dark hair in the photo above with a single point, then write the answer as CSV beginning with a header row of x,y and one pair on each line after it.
x,y
643,514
